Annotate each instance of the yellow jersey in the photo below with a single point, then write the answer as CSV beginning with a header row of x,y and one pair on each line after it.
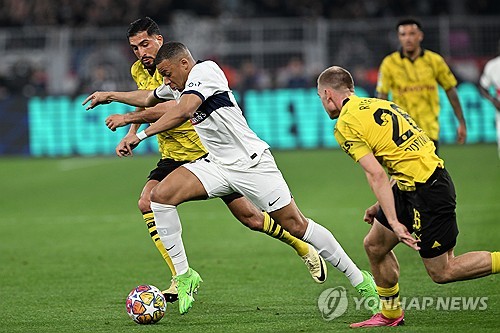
x,y
414,86
180,143
372,125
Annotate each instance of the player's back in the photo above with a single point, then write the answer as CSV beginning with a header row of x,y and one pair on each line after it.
x,y
386,130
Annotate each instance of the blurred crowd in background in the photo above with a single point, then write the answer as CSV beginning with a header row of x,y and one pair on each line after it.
x,y
119,12
90,69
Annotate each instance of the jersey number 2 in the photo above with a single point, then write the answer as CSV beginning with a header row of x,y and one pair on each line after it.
x,y
398,138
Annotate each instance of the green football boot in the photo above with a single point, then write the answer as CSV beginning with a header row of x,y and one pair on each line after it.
x,y
187,285
368,290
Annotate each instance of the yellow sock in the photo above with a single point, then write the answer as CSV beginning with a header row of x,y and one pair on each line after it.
x,y
495,262
389,299
274,230
150,222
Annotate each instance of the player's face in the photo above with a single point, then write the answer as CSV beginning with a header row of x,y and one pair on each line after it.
x,y
174,72
410,37
145,47
325,95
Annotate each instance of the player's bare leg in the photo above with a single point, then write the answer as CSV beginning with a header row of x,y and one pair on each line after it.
x,y
148,216
385,268
253,218
384,265
472,265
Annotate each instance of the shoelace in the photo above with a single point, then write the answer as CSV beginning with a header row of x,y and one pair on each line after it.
x,y
311,264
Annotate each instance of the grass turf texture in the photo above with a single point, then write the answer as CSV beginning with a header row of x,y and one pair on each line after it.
x,y
73,244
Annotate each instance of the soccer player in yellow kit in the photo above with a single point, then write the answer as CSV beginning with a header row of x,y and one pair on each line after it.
x,y
419,198
181,145
412,75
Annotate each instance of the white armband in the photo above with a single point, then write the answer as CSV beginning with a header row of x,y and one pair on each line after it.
x,y
142,135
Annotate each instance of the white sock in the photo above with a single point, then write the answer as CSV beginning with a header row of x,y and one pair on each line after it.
x,y
169,229
328,247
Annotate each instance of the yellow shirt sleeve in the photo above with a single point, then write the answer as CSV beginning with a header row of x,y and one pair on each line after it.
x,y
350,140
444,77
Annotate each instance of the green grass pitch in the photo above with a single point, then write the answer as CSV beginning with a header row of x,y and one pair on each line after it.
x,y
73,244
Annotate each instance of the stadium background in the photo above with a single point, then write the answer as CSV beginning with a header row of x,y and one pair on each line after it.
x,y
56,52
72,241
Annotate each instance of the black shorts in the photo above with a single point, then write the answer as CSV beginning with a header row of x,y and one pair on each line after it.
x,y
429,212
166,165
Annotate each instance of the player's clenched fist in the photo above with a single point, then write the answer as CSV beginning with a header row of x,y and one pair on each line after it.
x,y
115,120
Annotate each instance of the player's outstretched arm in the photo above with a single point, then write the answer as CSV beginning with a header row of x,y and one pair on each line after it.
x,y
141,98
175,116
381,187
140,116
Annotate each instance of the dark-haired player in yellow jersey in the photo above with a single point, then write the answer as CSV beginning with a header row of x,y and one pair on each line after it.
x,y
419,197
412,75
181,145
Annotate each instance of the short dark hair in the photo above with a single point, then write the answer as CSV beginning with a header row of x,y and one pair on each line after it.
x,y
408,21
336,78
170,50
143,24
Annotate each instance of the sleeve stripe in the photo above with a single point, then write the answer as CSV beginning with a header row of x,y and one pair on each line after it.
x,y
197,93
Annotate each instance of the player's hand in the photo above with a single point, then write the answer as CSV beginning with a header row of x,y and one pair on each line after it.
x,y
370,213
126,145
404,236
121,149
114,121
97,98
461,134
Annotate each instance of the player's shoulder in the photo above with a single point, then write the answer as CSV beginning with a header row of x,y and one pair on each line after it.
x,y
493,64
433,56
137,67
393,56
206,66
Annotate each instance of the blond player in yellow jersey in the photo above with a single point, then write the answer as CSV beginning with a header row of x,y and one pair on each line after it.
x,y
412,75
181,145
419,198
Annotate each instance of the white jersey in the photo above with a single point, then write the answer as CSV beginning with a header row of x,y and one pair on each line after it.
x,y
166,93
491,75
219,120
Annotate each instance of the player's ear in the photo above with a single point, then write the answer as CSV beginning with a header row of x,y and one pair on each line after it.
x,y
184,63
159,38
421,38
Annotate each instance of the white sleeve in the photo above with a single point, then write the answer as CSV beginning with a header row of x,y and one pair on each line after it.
x,y
206,79
165,93
485,80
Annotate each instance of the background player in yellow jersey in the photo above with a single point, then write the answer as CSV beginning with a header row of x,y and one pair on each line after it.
x,y
377,134
181,145
412,75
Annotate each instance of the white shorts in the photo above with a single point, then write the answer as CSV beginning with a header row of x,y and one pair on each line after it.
x,y
263,184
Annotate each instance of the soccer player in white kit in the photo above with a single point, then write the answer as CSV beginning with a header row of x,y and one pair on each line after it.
x,y
491,78
238,161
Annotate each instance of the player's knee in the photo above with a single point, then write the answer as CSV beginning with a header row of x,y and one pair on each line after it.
x,y
161,196
144,205
372,247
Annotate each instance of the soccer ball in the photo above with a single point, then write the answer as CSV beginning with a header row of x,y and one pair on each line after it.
x,y
146,304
